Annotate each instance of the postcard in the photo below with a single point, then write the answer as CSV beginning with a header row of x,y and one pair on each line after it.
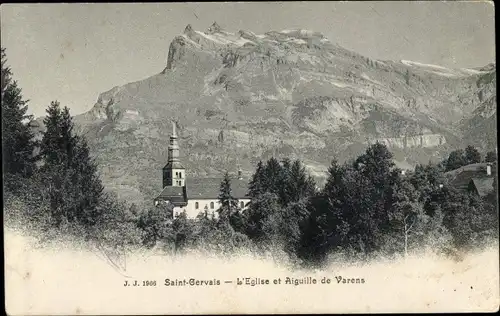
x,y
249,158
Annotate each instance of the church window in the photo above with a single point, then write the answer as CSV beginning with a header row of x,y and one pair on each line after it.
x,y
242,204
196,205
211,205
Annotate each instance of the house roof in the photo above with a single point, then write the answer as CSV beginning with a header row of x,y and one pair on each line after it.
x,y
209,188
460,178
176,195
484,186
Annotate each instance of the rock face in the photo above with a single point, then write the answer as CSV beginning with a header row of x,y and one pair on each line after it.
x,y
240,97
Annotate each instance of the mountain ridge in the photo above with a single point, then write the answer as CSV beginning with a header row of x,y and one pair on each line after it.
x,y
240,97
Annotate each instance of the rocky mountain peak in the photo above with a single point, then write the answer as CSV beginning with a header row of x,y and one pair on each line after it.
x,y
214,28
188,29
288,93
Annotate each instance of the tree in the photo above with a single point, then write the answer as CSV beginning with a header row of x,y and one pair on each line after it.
x,y
116,227
375,163
86,183
356,198
468,221
318,232
297,184
491,156
18,142
333,186
258,213
455,160
155,224
238,222
294,221
51,142
182,232
210,234
288,180
228,204
406,214
256,185
6,73
425,179
472,155
74,186
273,176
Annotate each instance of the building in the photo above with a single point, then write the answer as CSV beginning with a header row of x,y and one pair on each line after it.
x,y
194,195
477,178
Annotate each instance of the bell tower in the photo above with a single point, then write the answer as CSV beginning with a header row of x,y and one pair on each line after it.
x,y
174,174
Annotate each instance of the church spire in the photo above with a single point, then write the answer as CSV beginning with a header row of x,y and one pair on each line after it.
x,y
173,148
173,172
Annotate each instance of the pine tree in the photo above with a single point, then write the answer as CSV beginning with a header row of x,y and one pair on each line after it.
x,y
228,204
86,182
74,186
274,175
295,184
334,180
303,185
51,141
256,185
6,73
70,142
284,182
18,142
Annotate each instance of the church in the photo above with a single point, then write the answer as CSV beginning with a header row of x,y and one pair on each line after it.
x,y
194,195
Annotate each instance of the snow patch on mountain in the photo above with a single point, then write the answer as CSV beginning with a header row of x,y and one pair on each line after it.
x,y
443,71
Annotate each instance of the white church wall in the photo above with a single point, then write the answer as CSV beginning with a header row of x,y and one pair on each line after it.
x,y
197,206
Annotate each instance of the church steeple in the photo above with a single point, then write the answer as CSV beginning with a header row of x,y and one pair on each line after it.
x,y
173,172
173,147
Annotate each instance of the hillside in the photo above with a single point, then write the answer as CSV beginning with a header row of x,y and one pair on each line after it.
x,y
240,97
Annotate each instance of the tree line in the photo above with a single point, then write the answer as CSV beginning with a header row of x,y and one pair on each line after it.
x,y
52,184
367,207
470,155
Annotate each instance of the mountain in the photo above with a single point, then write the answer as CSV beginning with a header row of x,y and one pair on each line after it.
x,y
240,97
480,127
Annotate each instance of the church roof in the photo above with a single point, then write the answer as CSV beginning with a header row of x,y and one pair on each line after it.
x,y
176,195
209,188
174,165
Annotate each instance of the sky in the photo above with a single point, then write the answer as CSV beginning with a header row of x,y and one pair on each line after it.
x,y
74,52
